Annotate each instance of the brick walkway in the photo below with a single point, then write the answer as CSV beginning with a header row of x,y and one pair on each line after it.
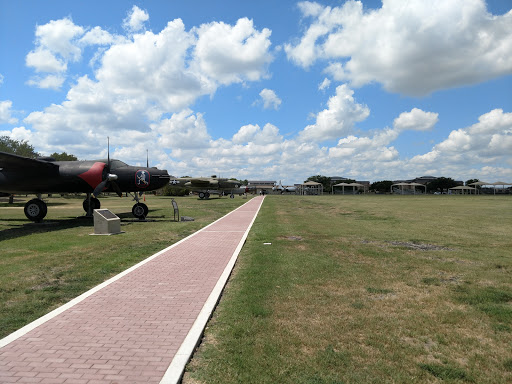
x,y
139,327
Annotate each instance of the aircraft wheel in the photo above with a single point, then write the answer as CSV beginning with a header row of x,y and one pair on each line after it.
x,y
140,211
207,195
232,196
95,203
201,195
36,210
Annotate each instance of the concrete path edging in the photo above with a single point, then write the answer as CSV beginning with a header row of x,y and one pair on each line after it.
x,y
177,367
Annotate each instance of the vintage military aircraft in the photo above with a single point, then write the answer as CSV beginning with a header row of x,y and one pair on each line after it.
x,y
20,174
279,187
204,186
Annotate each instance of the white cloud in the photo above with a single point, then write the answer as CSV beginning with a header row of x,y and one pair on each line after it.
x,y
5,113
135,20
270,99
182,131
19,134
414,48
58,36
153,67
97,36
48,82
488,141
338,119
416,120
146,75
42,60
232,54
324,84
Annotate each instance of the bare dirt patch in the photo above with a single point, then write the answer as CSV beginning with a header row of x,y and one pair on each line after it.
x,y
421,247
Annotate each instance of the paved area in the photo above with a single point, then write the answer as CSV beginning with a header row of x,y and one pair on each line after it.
x,y
139,327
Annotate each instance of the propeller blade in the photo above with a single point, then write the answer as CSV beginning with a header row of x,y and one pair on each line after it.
x,y
100,188
117,189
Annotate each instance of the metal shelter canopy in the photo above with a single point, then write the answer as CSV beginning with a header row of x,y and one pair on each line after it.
x,y
463,188
311,188
343,185
493,184
502,183
479,183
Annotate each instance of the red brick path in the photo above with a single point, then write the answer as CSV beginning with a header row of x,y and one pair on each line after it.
x,y
130,329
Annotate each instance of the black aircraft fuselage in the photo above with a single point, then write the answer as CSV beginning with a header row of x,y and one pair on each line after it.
x,y
20,174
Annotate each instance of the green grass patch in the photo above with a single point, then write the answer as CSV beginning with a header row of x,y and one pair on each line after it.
x,y
494,302
447,372
366,289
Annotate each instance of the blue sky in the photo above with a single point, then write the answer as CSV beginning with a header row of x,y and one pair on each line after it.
x,y
268,90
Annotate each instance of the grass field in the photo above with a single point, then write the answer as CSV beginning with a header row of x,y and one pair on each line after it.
x,y
367,289
45,265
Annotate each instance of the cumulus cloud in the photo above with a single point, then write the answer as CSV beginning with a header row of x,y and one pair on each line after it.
x,y
19,134
6,113
232,54
42,60
47,82
183,130
338,119
488,141
326,83
269,99
58,43
414,48
135,20
416,120
58,36
141,77
97,36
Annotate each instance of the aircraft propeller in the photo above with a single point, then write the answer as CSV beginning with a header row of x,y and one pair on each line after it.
x,y
110,178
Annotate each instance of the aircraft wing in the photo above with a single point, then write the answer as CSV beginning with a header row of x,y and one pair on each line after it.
x,y
10,161
204,182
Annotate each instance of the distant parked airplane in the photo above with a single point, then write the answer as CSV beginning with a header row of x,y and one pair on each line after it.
x,y
279,187
204,186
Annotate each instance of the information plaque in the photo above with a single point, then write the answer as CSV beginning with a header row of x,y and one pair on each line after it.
x,y
106,222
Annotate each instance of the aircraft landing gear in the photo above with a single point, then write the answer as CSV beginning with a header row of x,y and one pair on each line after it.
x,y
36,210
232,196
140,211
89,207
204,195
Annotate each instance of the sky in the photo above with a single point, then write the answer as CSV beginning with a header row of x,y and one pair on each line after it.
x,y
265,90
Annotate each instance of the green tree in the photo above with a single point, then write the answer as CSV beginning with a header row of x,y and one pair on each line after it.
x,y
63,156
17,147
383,186
441,184
324,180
